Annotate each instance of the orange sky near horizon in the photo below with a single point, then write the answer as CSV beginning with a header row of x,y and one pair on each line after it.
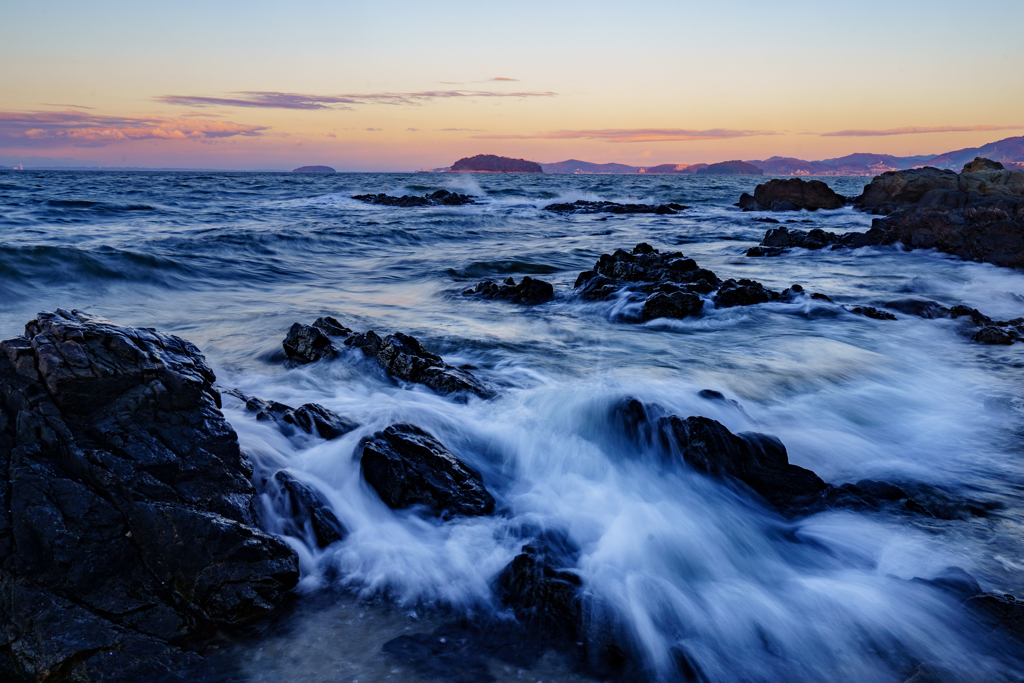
x,y
401,86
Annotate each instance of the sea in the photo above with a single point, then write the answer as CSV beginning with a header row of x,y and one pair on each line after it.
x,y
675,561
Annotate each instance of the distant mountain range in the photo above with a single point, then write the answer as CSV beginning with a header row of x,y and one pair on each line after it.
x,y
1010,152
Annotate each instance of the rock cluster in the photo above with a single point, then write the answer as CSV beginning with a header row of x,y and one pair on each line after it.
x,y
311,418
979,327
406,466
127,514
529,291
400,355
792,194
439,198
581,206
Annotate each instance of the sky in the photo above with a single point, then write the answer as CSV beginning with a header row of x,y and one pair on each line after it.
x,y
406,85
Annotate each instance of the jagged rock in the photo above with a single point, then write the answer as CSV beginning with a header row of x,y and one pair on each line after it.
x,y
871,312
311,418
331,327
542,590
307,344
922,308
402,356
439,198
766,251
674,305
888,190
529,291
743,293
792,194
407,466
127,514
581,206
306,512
994,335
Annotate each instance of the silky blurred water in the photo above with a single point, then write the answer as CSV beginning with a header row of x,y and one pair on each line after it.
x,y
679,562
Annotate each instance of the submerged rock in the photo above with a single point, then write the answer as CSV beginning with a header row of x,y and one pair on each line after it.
x,y
792,194
543,592
306,512
127,514
743,293
871,312
308,344
439,198
402,356
312,418
407,466
672,305
529,291
581,206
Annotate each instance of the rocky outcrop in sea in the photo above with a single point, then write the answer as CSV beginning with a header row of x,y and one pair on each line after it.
x,y
438,198
128,518
582,206
792,194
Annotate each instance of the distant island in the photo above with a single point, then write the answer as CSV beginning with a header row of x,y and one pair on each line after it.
x,y
314,169
490,163
736,167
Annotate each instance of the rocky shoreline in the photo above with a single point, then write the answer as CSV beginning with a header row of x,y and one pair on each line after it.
x,y
129,516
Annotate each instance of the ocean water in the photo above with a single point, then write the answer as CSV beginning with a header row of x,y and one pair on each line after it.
x,y
676,561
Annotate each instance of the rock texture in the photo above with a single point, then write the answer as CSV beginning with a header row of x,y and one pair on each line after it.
x,y
977,215
307,515
400,355
406,466
490,163
529,291
311,418
127,514
439,198
403,357
792,194
581,206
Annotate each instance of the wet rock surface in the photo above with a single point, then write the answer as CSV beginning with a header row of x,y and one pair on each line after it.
x,y
400,355
307,515
977,215
127,514
582,206
439,198
973,323
406,466
528,291
311,418
403,357
792,194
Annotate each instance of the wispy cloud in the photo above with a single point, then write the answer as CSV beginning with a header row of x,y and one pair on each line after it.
x,y
46,129
69,106
502,78
373,130
286,100
635,135
914,130
456,130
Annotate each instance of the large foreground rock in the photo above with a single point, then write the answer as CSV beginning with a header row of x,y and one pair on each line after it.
x,y
127,514
792,194
406,466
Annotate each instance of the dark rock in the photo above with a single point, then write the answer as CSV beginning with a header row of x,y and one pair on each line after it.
x,y
402,356
765,219
407,466
748,203
820,297
792,194
581,206
311,418
809,239
127,514
994,335
529,291
743,293
1001,610
888,190
870,312
976,316
439,198
674,305
981,164
922,308
307,344
331,327
543,592
306,512
766,251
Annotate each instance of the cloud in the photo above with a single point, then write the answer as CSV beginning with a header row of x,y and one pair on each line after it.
x,y
47,129
70,106
286,100
914,130
500,78
373,129
412,130
634,135
453,130
331,135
